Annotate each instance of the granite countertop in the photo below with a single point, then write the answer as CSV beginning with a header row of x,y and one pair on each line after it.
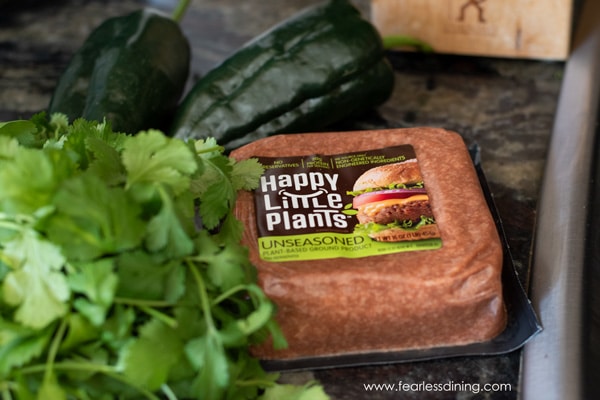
x,y
506,106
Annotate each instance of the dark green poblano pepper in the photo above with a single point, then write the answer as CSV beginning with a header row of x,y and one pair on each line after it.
x,y
312,70
131,71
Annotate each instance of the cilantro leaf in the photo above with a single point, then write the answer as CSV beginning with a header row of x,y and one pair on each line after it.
x,y
51,389
76,138
145,276
22,130
167,232
106,163
215,203
118,329
121,268
245,174
157,346
30,180
214,189
207,148
8,148
216,200
105,220
151,157
19,344
230,230
98,282
79,331
226,267
250,378
35,285
207,354
310,391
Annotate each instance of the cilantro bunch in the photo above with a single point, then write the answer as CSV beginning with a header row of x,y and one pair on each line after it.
x,y
121,271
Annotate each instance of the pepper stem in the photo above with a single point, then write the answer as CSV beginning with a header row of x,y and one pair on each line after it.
x,y
394,41
180,10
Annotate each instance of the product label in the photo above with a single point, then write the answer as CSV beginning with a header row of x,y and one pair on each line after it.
x,y
347,205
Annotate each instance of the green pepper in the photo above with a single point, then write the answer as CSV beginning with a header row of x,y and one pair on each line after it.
x,y
311,70
131,70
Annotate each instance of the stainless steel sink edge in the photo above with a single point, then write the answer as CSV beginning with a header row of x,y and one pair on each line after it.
x,y
553,361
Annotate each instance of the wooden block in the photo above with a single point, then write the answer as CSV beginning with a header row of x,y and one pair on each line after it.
x,y
539,29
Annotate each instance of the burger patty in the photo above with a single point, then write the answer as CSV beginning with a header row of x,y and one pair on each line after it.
x,y
398,212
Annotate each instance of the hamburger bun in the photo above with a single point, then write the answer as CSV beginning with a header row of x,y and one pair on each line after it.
x,y
405,172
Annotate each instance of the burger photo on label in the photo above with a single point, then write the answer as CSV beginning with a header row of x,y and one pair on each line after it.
x,y
393,204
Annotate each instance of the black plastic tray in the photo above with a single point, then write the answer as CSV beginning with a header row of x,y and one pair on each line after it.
x,y
521,326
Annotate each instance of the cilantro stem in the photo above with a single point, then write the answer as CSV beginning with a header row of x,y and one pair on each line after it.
x,y
146,393
168,392
207,150
60,333
262,383
6,387
71,366
204,302
8,223
225,295
149,303
171,322
107,370
18,219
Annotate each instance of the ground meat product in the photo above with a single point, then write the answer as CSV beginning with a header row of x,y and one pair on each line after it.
x,y
445,296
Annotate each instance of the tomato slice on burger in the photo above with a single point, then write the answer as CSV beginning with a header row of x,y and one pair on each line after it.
x,y
381,195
